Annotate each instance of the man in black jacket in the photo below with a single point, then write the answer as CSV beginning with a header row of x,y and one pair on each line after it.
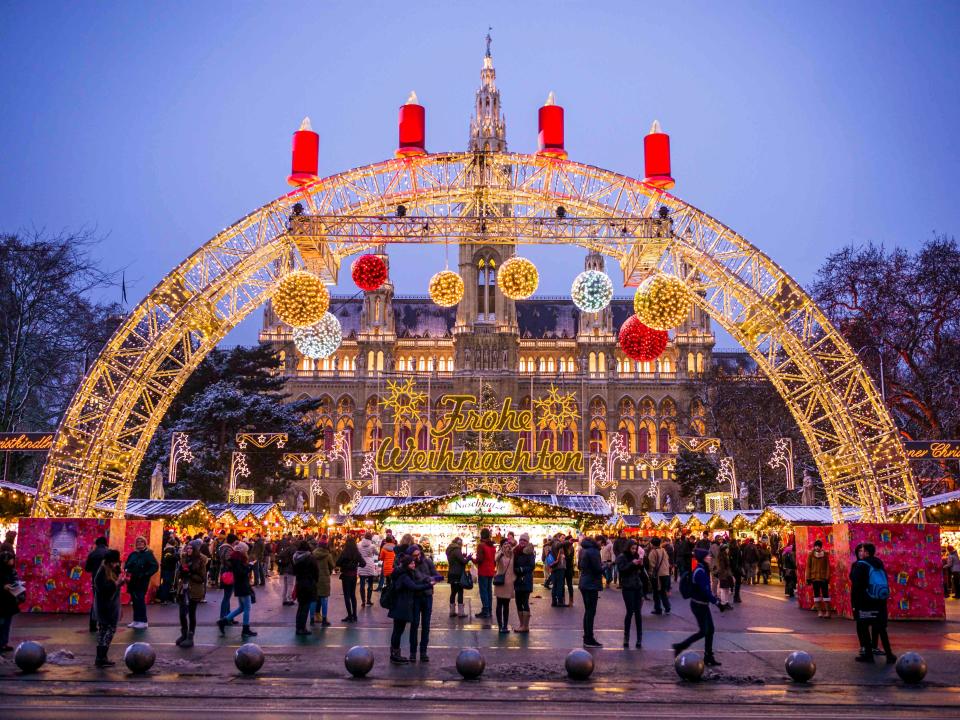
x,y
591,583
94,560
869,611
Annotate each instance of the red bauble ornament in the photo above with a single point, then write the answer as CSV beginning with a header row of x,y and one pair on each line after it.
x,y
639,342
369,272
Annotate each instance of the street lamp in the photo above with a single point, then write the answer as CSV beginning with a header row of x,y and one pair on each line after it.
x,y
879,351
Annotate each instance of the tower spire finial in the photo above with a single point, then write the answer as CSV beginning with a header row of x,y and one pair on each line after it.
x,y
489,39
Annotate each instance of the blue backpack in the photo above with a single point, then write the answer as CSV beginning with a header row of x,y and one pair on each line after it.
x,y
877,586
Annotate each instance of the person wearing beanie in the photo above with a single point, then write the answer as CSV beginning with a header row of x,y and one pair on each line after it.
x,y
141,565
404,585
591,584
106,603
524,563
700,600
240,567
223,561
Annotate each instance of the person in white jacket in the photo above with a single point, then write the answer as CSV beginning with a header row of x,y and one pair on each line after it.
x,y
370,552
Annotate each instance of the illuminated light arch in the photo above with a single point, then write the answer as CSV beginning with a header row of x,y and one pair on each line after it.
x,y
505,199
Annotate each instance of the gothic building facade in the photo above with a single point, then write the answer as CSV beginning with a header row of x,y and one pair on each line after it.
x,y
491,344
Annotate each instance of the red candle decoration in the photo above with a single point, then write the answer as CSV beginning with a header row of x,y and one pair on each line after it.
x,y
369,272
656,154
306,152
413,124
641,343
550,123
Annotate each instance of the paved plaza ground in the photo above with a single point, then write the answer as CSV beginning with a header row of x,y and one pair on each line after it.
x,y
524,674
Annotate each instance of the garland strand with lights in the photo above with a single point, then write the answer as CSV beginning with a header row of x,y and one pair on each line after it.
x,y
662,302
518,278
592,291
641,343
321,339
369,272
301,299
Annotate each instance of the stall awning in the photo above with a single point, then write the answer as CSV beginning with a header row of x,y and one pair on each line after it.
x,y
482,503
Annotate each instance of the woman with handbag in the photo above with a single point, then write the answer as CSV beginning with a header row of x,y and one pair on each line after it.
x,y
189,589
239,567
349,561
503,589
456,573
10,590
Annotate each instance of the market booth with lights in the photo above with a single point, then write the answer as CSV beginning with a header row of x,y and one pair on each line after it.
x,y
442,518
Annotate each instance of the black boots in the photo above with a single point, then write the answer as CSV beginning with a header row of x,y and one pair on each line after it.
x,y
710,661
396,657
247,632
102,660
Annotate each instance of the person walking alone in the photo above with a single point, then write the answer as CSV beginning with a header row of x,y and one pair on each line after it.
x,y
239,567
190,588
141,565
818,576
349,562
456,568
953,568
503,587
486,561
226,574
659,563
524,563
700,600
106,602
368,571
388,556
630,571
591,583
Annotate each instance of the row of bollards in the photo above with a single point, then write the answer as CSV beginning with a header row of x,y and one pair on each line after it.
x,y
139,657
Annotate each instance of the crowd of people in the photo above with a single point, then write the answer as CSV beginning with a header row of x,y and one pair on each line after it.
x,y
709,570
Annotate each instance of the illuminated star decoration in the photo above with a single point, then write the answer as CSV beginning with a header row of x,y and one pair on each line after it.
x,y
369,470
556,408
403,398
654,490
728,473
779,457
598,474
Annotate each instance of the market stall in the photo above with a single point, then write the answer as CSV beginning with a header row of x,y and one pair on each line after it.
x,y
440,519
942,509
184,517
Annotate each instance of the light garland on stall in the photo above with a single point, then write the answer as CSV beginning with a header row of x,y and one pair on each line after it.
x,y
639,342
592,291
369,272
518,278
446,288
662,302
301,299
321,339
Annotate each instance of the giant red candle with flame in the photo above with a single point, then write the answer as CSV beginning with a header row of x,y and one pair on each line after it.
x,y
413,128
656,154
551,129
306,152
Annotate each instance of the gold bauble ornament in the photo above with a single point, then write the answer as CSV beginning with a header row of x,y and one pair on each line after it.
x,y
518,278
446,288
301,299
662,302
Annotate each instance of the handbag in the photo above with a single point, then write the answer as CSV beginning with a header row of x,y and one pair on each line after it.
x,y
226,577
500,579
466,580
18,590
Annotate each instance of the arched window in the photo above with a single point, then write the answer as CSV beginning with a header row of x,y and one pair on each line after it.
x,y
423,438
666,366
602,362
596,439
663,440
379,360
370,362
691,363
700,362
567,440
593,362
422,364
486,288
550,366
563,365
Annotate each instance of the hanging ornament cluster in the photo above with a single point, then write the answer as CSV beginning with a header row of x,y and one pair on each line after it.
x,y
446,288
319,340
518,278
592,291
369,272
640,342
662,302
301,299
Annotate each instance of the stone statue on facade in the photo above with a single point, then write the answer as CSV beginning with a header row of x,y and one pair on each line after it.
x,y
744,496
300,501
806,495
668,504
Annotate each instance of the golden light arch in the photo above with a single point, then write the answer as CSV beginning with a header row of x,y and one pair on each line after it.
x,y
498,198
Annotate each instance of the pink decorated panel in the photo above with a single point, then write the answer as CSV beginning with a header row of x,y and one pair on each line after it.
x,y
806,535
51,553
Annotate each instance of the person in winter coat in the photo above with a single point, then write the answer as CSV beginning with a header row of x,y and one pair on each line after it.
x,y
189,588
387,555
106,603
8,603
307,573
240,566
285,553
630,570
788,569
141,565
818,576
659,564
591,583
424,571
456,566
725,580
869,612
751,562
571,563
555,568
224,551
349,561
92,565
524,563
368,571
700,602
325,567
684,551
736,567
404,586
503,588
764,556
169,560
486,561
952,564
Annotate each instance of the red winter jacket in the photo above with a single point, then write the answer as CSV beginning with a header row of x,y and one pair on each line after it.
x,y
486,559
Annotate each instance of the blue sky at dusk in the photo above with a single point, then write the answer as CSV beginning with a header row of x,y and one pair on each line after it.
x,y
803,126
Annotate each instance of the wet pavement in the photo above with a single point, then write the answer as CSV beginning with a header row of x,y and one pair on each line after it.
x,y
524,674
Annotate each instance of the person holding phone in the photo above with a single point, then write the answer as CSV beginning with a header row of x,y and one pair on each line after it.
x,y
106,601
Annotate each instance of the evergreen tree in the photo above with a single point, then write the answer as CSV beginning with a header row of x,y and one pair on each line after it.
x,y
696,475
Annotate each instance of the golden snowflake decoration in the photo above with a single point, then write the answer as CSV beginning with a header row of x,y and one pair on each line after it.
x,y
403,398
556,407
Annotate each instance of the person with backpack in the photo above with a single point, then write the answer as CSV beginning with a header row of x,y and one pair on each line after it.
x,y
869,591
695,587
659,564
630,570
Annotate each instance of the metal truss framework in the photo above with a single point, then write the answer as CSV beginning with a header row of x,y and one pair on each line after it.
x,y
483,197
